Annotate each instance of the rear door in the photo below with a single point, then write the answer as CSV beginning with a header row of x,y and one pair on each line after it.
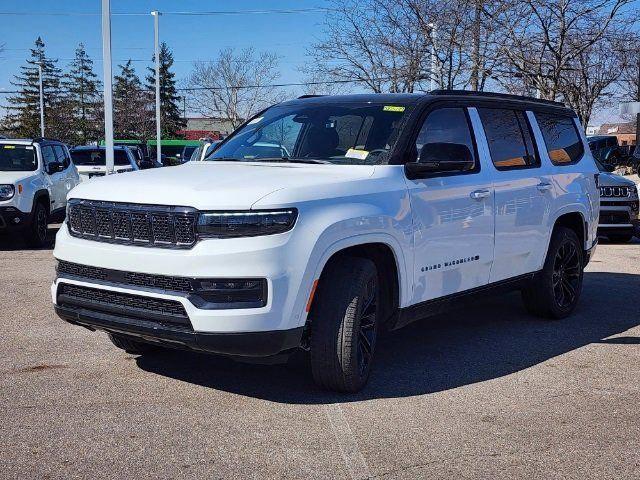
x,y
523,193
452,212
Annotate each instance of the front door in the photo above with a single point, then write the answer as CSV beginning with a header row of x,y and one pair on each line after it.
x,y
452,213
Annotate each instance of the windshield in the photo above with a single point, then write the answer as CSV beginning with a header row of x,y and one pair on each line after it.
x,y
17,158
98,158
347,134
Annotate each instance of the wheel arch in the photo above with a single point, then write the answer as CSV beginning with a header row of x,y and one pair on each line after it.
x,y
386,254
41,196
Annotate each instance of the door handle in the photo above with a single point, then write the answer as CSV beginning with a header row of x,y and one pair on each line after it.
x,y
480,194
544,186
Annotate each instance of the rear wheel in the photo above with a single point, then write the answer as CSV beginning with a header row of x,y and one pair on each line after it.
x,y
36,234
344,324
130,346
554,292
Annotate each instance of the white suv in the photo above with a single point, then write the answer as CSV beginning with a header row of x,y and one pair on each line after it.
x,y
35,177
388,208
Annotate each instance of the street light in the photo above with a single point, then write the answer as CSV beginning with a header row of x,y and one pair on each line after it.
x,y
156,41
41,101
434,58
108,93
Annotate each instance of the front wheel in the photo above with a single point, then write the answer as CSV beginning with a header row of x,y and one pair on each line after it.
x,y
36,234
554,292
344,324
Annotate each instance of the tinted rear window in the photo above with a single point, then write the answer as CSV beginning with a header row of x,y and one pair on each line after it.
x,y
98,157
561,137
509,138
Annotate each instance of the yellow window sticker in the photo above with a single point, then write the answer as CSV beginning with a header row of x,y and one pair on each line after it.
x,y
358,154
9,147
393,108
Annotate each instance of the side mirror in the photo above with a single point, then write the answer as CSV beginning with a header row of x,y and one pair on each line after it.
x,y
54,167
436,158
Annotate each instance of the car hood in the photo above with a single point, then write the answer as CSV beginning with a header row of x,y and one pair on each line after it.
x,y
214,185
14,177
607,179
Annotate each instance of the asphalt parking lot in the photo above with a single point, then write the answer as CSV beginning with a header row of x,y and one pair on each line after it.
x,y
483,392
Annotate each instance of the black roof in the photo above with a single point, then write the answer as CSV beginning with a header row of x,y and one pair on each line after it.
x,y
412,98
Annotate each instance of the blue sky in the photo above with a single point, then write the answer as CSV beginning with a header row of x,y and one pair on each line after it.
x,y
190,37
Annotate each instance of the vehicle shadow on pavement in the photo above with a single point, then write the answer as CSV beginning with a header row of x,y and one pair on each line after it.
x,y
494,338
15,242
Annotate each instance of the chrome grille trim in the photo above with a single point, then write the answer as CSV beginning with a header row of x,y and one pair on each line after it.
x,y
615,192
133,224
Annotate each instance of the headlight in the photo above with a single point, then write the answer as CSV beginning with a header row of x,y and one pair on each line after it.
x,y
6,192
246,224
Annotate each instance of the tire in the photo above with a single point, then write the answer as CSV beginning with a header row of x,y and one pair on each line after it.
x,y
36,234
620,238
344,324
130,346
554,292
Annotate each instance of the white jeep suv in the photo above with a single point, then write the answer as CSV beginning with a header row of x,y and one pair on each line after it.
x,y
388,208
35,177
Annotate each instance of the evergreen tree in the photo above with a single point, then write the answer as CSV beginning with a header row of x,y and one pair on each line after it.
x,y
170,119
23,109
83,100
131,106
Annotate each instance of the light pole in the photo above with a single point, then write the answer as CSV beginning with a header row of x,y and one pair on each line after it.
x,y
41,101
156,41
434,58
108,93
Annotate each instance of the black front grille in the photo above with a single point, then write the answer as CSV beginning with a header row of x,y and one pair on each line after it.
x,y
150,225
145,280
168,312
614,217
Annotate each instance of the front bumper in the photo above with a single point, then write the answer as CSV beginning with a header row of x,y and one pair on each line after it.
x,y
245,344
13,219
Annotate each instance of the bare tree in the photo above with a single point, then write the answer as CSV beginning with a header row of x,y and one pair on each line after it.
x,y
590,81
387,45
234,86
370,44
544,39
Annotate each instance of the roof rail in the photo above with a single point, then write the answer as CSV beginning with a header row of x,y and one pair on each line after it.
x,y
506,96
310,96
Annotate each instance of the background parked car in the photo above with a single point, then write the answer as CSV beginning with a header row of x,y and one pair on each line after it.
x,y
206,146
618,205
35,177
91,161
607,151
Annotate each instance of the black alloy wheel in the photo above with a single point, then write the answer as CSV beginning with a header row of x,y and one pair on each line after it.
x,y
566,275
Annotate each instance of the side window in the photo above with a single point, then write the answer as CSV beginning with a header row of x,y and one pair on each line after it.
x,y
447,125
61,155
562,138
509,138
48,155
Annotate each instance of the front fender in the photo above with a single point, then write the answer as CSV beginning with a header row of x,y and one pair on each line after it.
x,y
347,225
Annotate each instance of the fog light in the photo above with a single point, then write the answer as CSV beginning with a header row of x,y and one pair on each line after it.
x,y
232,292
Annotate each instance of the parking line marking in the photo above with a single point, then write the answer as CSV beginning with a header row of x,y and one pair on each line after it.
x,y
353,459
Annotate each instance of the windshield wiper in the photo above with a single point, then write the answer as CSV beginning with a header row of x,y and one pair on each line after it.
x,y
290,160
224,159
